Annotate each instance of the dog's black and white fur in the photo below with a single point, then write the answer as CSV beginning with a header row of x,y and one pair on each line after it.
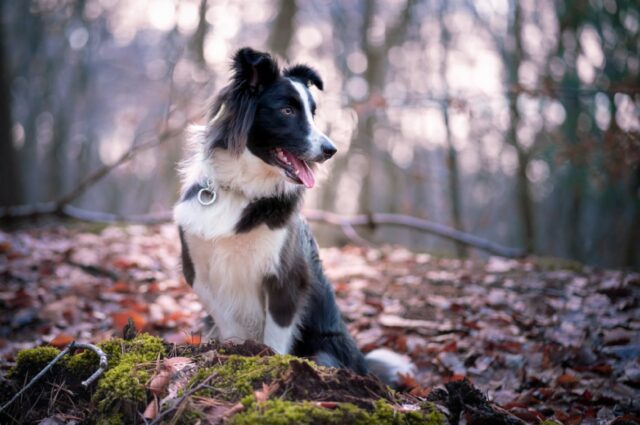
x,y
249,255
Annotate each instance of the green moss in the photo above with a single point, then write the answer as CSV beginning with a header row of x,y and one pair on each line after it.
x,y
549,422
122,390
434,417
238,376
30,362
279,412
190,417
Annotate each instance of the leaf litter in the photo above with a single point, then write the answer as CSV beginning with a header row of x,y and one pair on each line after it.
x,y
543,338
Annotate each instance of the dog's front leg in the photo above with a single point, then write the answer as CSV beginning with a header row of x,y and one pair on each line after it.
x,y
226,326
280,314
279,337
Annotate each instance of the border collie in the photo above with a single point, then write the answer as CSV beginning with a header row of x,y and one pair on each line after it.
x,y
246,250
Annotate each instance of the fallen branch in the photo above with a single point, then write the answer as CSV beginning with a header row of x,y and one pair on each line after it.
x,y
415,223
346,223
69,349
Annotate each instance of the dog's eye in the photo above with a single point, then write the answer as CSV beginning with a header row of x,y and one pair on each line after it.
x,y
287,111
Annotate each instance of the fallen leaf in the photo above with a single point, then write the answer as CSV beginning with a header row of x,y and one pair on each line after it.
x,y
120,286
392,321
121,318
160,381
327,404
566,380
61,340
152,409
193,340
266,391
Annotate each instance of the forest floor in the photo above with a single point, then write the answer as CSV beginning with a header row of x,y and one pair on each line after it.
x,y
543,338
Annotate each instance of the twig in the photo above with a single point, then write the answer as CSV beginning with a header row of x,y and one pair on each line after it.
x,y
91,269
106,169
179,401
102,365
70,348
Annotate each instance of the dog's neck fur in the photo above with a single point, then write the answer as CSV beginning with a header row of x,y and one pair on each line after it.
x,y
241,181
249,175
244,174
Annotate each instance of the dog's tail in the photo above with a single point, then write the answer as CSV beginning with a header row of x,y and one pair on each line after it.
x,y
389,366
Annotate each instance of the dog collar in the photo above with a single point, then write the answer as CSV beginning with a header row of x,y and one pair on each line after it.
x,y
207,194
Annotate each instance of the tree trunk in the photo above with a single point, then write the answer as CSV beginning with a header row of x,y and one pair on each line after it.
x,y
523,190
197,40
10,187
283,28
452,154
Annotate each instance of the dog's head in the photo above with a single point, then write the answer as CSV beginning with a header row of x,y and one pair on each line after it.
x,y
270,113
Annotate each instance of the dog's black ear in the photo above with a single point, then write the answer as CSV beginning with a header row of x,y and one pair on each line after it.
x,y
254,70
233,111
305,74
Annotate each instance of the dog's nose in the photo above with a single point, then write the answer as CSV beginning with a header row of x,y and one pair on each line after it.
x,y
328,149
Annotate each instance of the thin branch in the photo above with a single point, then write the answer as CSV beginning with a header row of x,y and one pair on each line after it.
x,y
106,169
69,349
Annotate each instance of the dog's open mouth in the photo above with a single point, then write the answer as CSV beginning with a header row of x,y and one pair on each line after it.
x,y
294,168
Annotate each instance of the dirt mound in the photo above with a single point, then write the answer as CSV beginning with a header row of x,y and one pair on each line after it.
x,y
150,380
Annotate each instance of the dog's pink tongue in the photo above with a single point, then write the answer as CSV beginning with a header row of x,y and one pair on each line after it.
x,y
304,172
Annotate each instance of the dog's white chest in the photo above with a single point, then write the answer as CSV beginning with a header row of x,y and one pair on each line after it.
x,y
229,271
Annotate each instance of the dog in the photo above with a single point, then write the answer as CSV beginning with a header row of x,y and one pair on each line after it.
x,y
246,250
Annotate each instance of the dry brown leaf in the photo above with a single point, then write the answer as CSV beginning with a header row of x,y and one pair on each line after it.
x,y
327,404
566,380
176,363
392,321
152,409
266,391
61,340
160,381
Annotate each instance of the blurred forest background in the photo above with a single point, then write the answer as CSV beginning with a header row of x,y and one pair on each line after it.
x,y
513,120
